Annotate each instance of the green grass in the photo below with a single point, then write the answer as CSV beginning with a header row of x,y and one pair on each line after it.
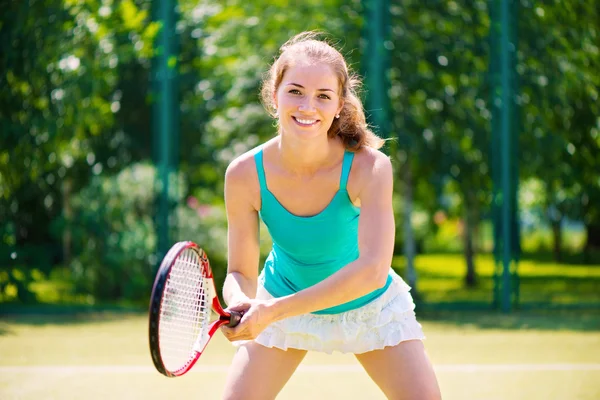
x,y
441,279
120,339
43,335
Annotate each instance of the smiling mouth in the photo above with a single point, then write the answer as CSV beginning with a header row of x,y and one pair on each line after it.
x,y
305,122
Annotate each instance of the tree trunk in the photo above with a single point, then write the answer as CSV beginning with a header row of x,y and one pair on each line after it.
x,y
477,242
592,243
409,239
471,276
68,215
557,239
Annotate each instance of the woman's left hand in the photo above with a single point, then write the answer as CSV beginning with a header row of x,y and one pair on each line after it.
x,y
257,315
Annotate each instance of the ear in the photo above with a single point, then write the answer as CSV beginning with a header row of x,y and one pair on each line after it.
x,y
341,107
275,99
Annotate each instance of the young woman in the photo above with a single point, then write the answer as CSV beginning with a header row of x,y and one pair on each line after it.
x,y
324,191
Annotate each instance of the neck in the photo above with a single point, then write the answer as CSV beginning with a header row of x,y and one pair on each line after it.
x,y
306,157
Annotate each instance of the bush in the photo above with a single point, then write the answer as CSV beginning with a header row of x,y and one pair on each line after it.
x,y
114,236
205,225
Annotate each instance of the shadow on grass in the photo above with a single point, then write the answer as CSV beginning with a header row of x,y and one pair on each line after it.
x,y
583,319
461,314
592,259
52,314
4,329
543,292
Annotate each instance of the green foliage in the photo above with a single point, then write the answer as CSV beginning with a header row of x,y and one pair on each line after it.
x,y
14,285
115,237
206,225
60,97
439,97
75,119
226,49
558,56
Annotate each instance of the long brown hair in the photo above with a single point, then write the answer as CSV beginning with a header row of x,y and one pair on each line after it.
x,y
351,126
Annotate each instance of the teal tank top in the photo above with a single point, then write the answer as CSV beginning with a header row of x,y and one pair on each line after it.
x,y
306,250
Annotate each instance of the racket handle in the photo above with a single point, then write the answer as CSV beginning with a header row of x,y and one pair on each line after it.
x,y
235,318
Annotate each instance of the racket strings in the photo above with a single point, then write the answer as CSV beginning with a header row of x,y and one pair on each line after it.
x,y
185,310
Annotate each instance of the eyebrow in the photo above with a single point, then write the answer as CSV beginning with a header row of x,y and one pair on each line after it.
x,y
302,87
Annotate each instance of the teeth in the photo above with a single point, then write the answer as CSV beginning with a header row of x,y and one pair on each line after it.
x,y
306,121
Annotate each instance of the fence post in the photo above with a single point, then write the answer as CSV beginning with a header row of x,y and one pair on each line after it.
x,y
165,118
503,42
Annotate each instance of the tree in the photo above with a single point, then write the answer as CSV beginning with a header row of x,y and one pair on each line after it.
x,y
60,100
438,91
558,65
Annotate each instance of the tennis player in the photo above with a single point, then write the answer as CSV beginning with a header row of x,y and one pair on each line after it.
x,y
324,191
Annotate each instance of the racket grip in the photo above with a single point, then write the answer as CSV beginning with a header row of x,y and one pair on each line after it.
x,y
234,319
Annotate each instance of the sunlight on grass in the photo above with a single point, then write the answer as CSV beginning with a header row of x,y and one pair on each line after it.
x,y
120,339
441,279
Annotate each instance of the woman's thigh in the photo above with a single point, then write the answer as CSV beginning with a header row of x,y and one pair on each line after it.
x,y
402,371
259,372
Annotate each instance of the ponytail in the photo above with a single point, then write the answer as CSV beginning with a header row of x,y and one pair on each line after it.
x,y
351,126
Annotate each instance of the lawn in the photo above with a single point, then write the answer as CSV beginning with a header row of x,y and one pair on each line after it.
x,y
542,283
525,355
532,353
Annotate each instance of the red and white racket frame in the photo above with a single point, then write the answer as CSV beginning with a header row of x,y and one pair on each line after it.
x,y
225,318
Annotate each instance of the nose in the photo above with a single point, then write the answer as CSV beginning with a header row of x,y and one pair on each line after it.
x,y
307,105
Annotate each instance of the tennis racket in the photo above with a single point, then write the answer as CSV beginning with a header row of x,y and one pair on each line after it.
x,y
182,298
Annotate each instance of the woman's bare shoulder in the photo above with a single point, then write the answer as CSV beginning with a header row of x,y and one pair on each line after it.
x,y
242,167
241,180
370,162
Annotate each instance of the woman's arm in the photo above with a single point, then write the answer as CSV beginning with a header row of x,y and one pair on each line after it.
x,y
376,245
242,232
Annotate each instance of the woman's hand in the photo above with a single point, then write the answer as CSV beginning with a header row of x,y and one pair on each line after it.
x,y
257,315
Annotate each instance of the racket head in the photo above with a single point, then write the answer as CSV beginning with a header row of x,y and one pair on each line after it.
x,y
180,309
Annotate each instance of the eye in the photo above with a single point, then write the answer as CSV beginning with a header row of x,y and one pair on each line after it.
x,y
324,96
294,91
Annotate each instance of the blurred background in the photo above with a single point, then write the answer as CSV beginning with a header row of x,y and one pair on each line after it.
x,y
119,117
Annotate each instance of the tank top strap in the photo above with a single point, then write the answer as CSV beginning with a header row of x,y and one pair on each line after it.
x,y
347,164
258,160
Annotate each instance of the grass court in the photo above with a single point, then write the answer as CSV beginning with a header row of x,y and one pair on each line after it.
x,y
477,355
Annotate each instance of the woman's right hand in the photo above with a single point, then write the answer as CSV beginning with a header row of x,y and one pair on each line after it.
x,y
256,316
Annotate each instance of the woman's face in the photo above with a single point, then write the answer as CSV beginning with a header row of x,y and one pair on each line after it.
x,y
307,100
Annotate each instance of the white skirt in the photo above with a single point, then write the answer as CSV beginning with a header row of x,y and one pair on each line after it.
x,y
386,321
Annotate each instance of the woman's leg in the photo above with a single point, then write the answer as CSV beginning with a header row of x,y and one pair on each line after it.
x,y
259,372
402,372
